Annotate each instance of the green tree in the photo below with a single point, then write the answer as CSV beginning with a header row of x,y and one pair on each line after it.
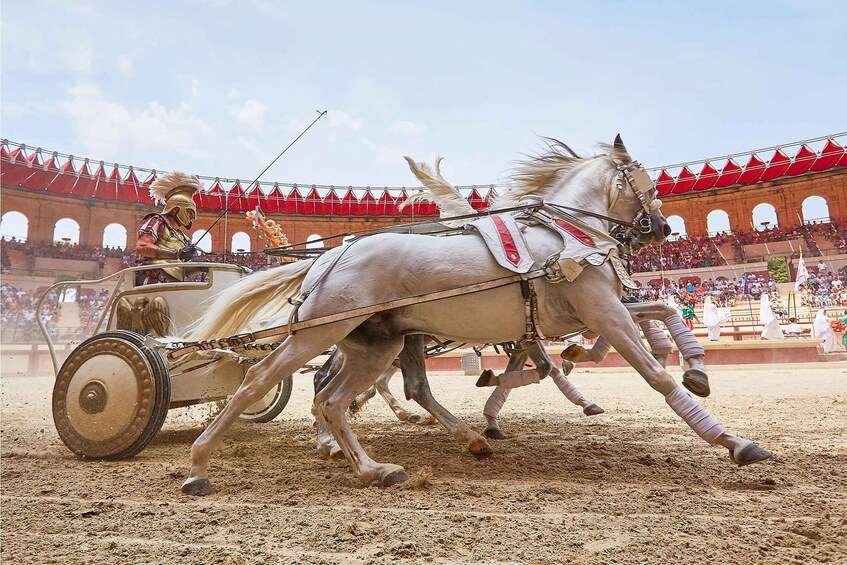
x,y
778,269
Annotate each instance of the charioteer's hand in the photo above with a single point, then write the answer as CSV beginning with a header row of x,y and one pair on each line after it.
x,y
189,252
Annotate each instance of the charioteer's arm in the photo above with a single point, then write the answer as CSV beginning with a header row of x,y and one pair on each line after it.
x,y
147,247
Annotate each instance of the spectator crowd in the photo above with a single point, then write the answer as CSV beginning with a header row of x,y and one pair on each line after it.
x,y
824,288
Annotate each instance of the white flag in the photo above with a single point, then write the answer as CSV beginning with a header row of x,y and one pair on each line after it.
x,y
802,274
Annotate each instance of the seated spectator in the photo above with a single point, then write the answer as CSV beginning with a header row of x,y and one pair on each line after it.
x,y
793,329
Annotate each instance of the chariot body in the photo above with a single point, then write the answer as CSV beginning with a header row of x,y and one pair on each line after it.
x,y
113,391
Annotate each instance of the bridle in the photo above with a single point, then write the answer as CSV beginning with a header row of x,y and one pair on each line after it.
x,y
634,175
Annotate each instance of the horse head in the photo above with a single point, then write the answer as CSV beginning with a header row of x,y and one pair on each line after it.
x,y
634,195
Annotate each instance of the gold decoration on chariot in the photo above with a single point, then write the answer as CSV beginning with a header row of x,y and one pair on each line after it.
x,y
144,316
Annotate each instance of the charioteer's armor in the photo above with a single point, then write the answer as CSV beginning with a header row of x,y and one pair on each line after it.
x,y
160,239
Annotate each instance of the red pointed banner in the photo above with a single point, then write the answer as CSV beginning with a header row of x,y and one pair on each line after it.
x,y
107,187
216,197
829,156
752,171
254,197
65,180
127,186
730,174
349,203
35,159
332,204
476,201
15,173
664,183
42,175
88,189
235,199
84,186
386,205
367,205
293,202
777,166
312,202
803,161
707,178
144,191
684,181
275,200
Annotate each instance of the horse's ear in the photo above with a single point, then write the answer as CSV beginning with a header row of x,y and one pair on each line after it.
x,y
619,143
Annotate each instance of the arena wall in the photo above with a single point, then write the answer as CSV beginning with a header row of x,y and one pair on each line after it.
x,y
92,215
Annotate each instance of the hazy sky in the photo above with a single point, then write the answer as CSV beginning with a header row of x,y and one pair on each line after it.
x,y
219,87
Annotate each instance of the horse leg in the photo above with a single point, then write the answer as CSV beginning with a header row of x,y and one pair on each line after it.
x,y
416,386
515,375
402,414
539,356
695,377
625,339
357,374
294,352
576,353
360,401
498,397
326,444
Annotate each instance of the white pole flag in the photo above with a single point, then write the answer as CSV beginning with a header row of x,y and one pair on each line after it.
x,y
802,274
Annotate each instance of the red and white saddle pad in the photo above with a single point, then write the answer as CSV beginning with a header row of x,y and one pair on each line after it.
x,y
504,239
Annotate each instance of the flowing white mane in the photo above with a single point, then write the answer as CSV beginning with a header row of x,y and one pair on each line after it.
x,y
536,176
539,174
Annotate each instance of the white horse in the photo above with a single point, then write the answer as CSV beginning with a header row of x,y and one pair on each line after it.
x,y
600,187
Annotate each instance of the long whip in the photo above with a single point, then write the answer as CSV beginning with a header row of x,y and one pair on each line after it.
x,y
321,114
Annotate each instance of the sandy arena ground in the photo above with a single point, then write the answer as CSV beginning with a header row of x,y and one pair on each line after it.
x,y
633,485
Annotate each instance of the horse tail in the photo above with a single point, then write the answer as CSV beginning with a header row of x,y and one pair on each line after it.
x,y
446,197
252,302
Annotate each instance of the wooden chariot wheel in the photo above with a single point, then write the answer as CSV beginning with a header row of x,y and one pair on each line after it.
x,y
271,405
111,396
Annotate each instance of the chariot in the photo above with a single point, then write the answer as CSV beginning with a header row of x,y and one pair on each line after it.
x,y
112,393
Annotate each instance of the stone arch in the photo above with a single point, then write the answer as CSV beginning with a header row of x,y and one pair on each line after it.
x,y
114,235
312,243
762,213
677,224
14,224
815,209
240,242
66,231
717,221
206,243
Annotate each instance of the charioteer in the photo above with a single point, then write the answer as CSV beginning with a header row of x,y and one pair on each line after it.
x,y
160,239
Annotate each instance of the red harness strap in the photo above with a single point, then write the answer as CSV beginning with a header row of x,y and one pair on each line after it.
x,y
507,241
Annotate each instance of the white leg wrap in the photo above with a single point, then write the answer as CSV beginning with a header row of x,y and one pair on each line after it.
x,y
567,388
600,349
514,379
694,415
495,402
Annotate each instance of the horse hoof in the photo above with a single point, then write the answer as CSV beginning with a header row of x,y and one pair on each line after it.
x,y
197,487
494,433
567,367
336,454
485,378
592,410
480,449
394,478
749,454
697,382
415,419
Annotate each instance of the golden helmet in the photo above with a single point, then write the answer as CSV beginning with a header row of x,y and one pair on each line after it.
x,y
177,190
